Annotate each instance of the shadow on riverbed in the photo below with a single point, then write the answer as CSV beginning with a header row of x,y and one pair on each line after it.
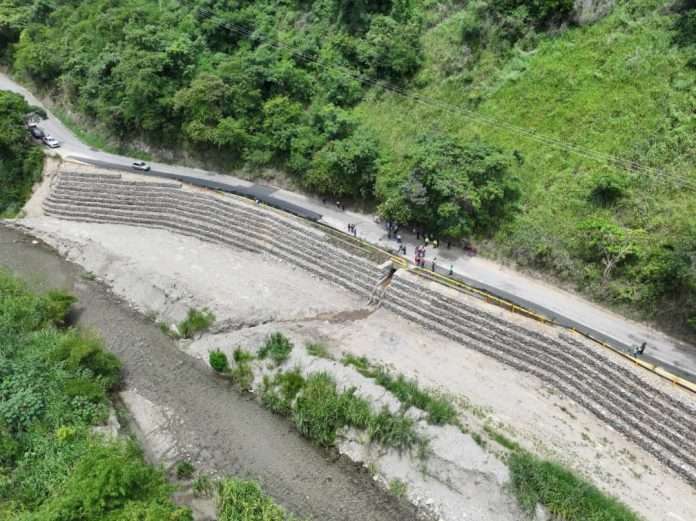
x,y
219,429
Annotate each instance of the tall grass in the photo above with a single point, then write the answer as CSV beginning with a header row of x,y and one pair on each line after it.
x,y
277,348
240,500
195,322
564,494
439,408
319,410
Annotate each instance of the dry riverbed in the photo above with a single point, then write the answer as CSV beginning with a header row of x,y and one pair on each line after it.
x,y
164,274
184,413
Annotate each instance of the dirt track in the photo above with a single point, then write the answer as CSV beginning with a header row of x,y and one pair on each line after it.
x,y
225,432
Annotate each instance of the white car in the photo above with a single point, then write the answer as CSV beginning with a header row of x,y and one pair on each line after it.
x,y
50,141
141,165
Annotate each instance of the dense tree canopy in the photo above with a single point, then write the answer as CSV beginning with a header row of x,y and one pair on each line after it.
x,y
231,76
452,190
20,160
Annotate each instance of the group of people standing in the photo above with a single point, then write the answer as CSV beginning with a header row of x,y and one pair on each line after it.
x,y
352,230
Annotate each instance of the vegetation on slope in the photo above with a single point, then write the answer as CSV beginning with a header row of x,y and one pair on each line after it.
x,y
324,90
20,160
625,86
53,389
565,495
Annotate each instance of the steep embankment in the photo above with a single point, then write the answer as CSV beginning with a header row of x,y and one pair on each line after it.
x,y
624,86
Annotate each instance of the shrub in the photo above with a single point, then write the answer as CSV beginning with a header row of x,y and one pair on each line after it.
x,y
277,348
184,469
218,361
112,480
195,322
58,305
608,188
85,351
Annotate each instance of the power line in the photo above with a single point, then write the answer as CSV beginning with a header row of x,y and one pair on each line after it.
x,y
625,164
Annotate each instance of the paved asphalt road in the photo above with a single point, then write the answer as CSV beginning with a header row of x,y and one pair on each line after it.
x,y
616,329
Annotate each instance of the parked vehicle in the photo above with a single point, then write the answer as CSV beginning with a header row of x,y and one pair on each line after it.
x,y
50,141
36,132
141,165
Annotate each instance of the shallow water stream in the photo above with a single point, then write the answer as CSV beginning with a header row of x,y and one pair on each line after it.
x,y
226,432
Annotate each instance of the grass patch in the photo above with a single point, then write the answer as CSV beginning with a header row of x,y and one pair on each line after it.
x,y
564,494
202,486
277,348
440,409
195,322
279,393
243,376
319,350
501,439
398,488
240,500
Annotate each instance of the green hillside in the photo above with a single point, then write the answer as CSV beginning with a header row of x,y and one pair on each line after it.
x,y
491,120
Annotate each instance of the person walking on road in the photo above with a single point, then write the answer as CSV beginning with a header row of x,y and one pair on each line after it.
x,y
451,270
434,263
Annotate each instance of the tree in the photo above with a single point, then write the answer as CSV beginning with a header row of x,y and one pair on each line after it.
x,y
607,243
390,49
20,160
452,190
345,167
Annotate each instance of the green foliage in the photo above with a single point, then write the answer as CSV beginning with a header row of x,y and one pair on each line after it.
x,y
452,190
21,161
440,409
184,469
608,188
570,88
53,386
85,351
320,411
277,348
218,361
195,322
110,480
565,495
241,356
398,488
240,500
280,392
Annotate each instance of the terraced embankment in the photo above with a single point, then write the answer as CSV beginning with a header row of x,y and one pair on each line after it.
x,y
655,421
106,198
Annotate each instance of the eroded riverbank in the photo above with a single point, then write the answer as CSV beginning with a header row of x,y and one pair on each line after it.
x,y
221,431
